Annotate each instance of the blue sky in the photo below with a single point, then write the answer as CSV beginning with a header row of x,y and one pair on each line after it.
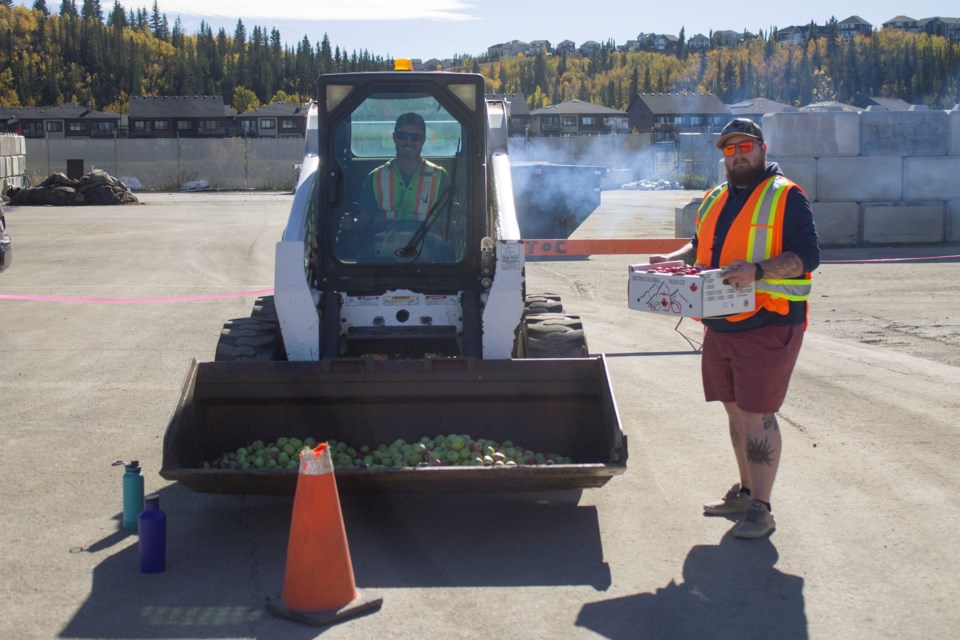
x,y
441,28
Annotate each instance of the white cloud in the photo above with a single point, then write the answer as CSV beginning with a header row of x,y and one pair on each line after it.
x,y
442,10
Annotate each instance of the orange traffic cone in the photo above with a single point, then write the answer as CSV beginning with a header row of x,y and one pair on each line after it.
x,y
318,585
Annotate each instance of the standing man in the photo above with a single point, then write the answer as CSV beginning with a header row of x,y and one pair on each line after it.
x,y
759,226
407,186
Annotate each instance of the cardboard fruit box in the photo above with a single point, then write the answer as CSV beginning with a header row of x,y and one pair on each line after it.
x,y
703,295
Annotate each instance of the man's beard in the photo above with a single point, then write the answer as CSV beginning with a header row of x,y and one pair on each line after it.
x,y
746,175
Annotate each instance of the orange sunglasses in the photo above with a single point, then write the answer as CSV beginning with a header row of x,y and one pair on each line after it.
x,y
745,147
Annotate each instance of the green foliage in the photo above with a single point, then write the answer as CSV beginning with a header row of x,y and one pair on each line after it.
x,y
917,68
244,100
74,56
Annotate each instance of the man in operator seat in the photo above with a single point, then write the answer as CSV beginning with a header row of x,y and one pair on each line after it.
x,y
406,188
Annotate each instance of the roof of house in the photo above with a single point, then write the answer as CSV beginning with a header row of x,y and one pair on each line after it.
x,y
758,105
830,105
275,109
854,20
518,102
60,112
576,107
891,104
900,19
178,107
681,103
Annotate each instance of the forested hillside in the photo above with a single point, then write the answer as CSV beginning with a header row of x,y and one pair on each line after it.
x,y
85,55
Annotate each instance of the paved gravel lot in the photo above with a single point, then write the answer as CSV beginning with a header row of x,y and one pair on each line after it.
x,y
105,307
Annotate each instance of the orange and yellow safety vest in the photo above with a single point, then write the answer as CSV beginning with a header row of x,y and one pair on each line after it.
x,y
756,234
410,202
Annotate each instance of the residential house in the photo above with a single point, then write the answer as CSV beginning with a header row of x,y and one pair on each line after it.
x,y
727,38
756,108
536,46
793,36
852,27
903,23
577,118
180,117
568,47
518,120
64,121
589,48
948,28
698,42
938,26
508,49
630,46
278,120
667,115
666,43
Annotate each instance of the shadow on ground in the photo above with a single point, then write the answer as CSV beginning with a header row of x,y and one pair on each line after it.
x,y
226,557
730,590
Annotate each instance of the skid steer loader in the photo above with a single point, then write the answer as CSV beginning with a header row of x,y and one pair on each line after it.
x,y
391,329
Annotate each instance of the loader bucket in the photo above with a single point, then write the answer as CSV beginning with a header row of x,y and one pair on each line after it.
x,y
563,406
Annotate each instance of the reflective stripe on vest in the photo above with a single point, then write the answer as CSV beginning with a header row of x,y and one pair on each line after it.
x,y
755,237
395,202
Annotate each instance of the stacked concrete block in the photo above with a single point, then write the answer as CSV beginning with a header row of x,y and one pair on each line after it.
x,y
803,171
952,231
13,162
878,177
953,126
812,134
903,133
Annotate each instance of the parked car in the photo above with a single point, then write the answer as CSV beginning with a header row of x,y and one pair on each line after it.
x,y
6,244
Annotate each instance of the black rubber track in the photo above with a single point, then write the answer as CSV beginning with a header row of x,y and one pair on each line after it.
x,y
256,338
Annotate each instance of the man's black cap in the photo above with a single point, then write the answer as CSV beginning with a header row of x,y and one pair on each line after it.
x,y
411,119
740,127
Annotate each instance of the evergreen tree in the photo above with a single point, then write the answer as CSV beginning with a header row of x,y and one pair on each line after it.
x,y
68,8
41,6
117,18
91,9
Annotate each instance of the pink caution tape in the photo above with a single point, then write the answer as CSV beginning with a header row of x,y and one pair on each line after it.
x,y
136,300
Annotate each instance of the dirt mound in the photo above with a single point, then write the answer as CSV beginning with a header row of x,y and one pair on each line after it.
x,y
97,187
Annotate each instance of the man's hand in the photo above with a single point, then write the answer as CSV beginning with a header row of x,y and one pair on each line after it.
x,y
685,253
739,274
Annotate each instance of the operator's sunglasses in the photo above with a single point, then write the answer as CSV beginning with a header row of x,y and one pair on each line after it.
x,y
406,135
745,147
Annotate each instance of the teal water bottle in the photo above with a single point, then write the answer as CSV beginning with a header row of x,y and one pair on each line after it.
x,y
132,493
152,526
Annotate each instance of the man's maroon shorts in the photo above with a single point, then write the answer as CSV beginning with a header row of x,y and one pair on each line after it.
x,y
751,368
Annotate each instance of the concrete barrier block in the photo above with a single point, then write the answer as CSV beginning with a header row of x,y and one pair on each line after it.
x,y
685,219
926,178
903,223
812,134
903,133
838,223
952,233
863,179
803,171
953,131
7,145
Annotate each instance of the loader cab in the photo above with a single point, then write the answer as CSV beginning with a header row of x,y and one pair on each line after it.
x,y
380,227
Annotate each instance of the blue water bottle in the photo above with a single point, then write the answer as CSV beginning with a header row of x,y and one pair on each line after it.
x,y
132,493
152,525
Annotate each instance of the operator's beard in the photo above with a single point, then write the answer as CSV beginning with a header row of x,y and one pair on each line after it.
x,y
746,175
